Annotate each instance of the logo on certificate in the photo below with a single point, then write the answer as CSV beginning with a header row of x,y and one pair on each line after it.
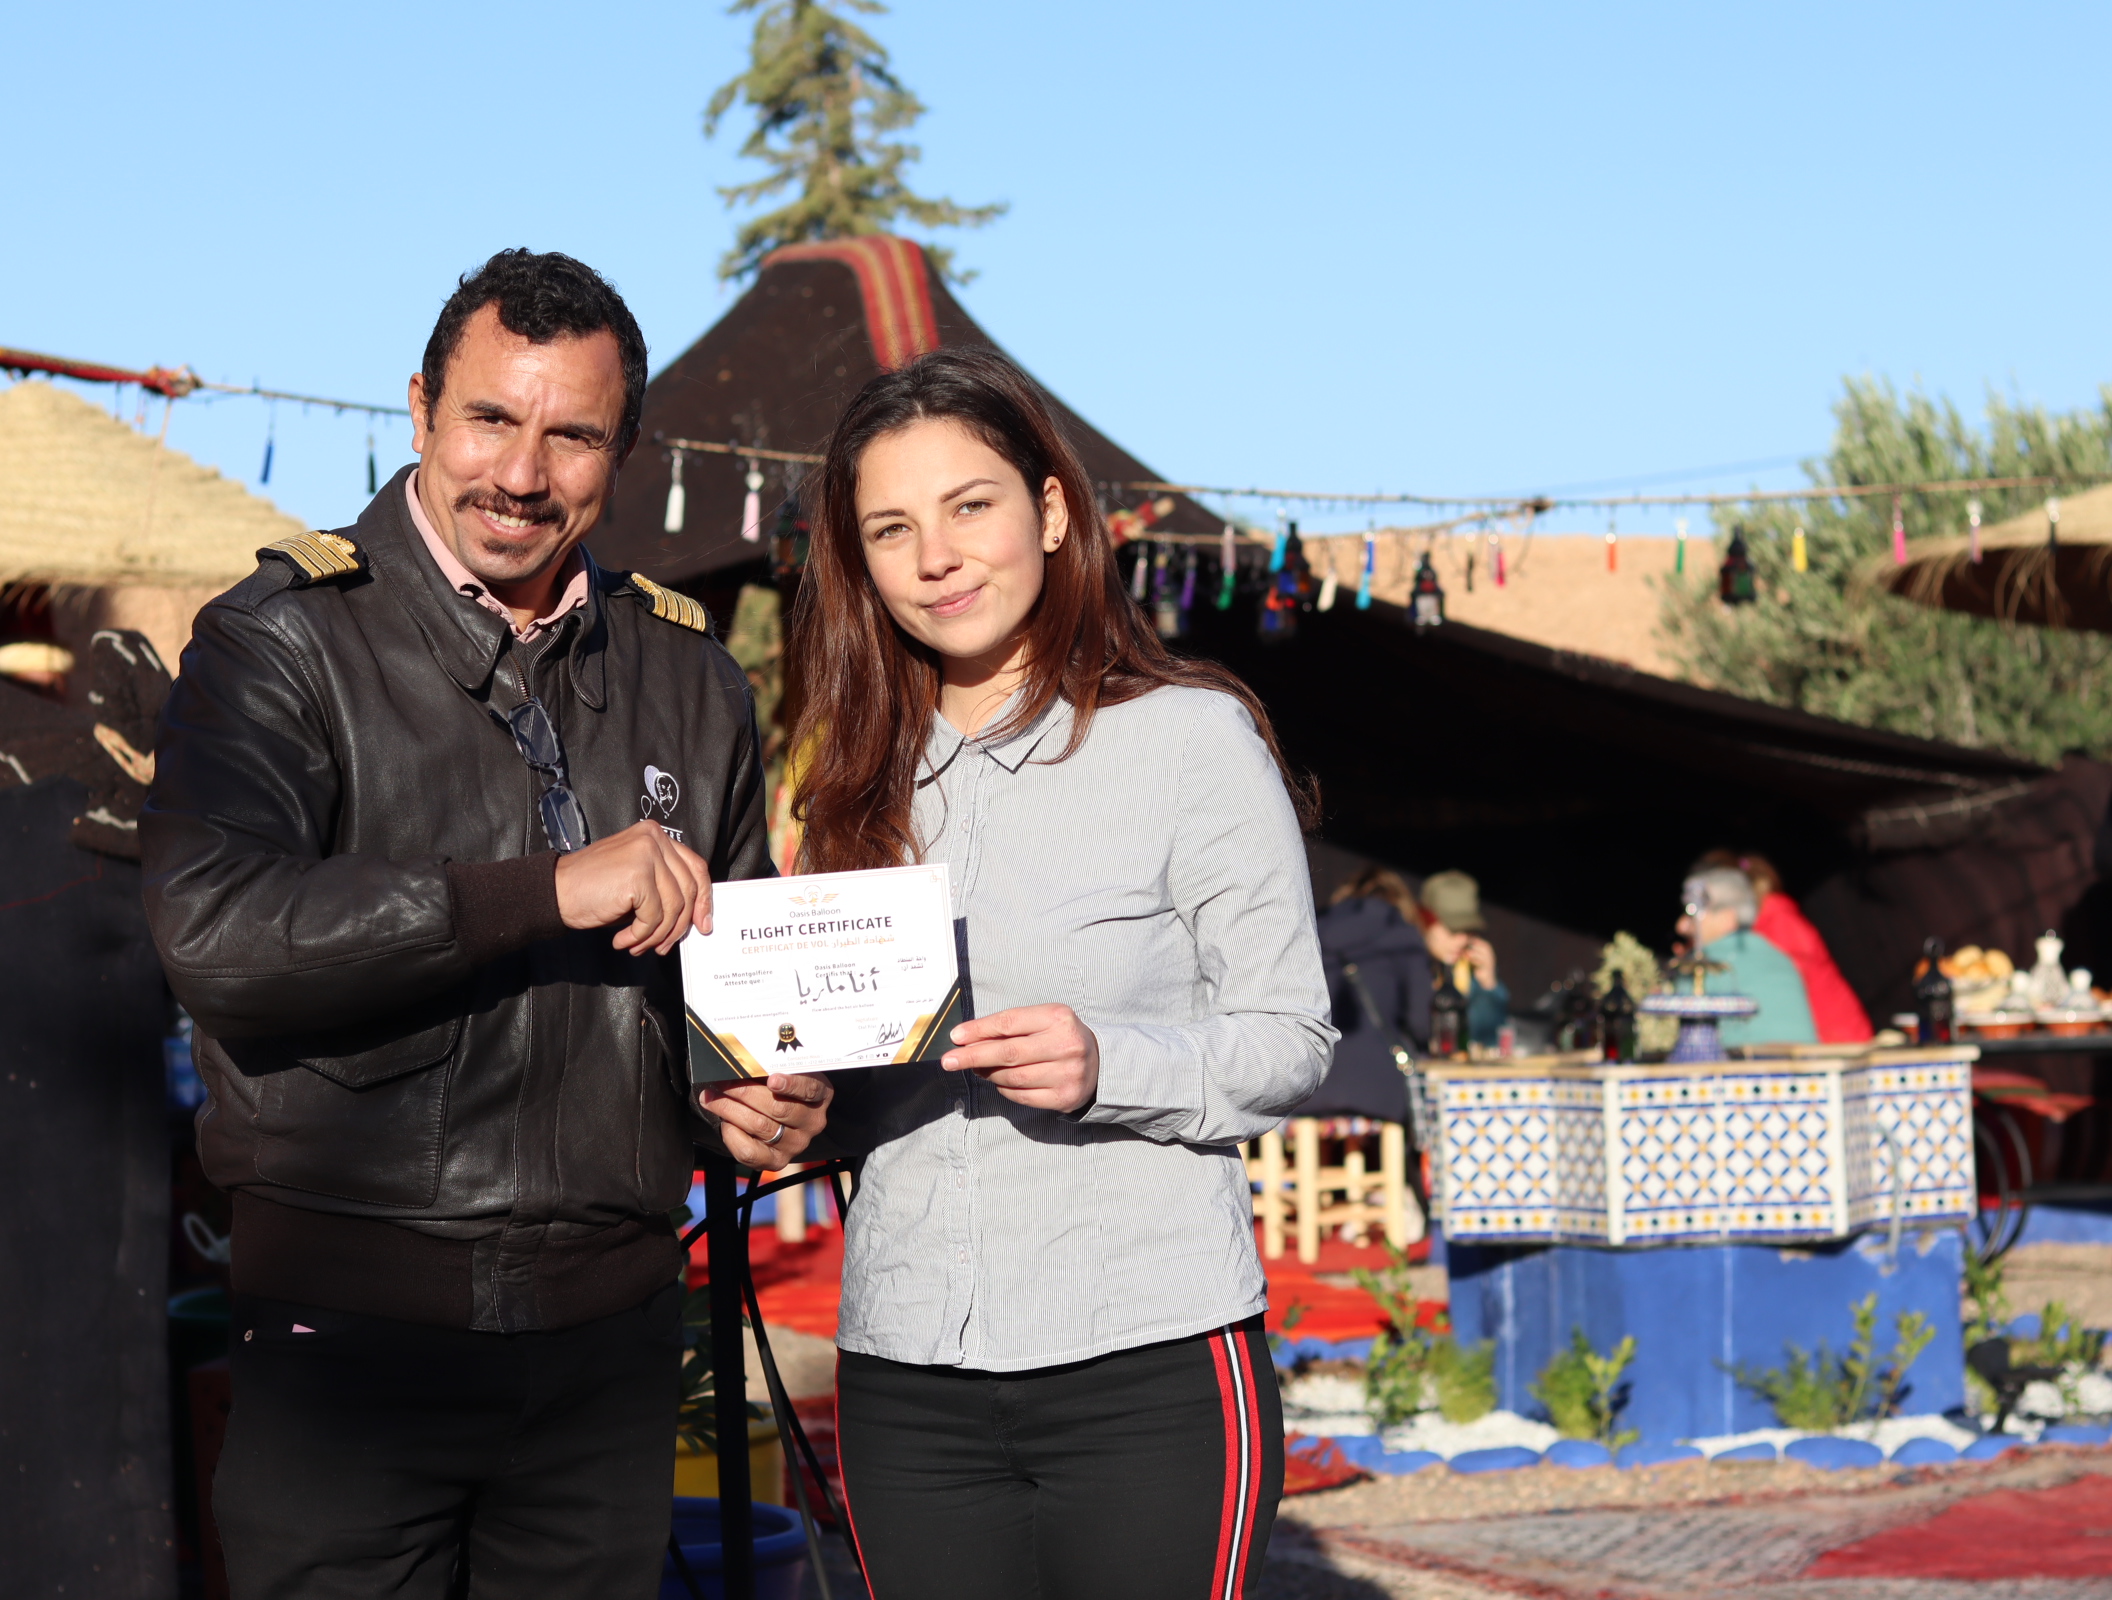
x,y
788,1037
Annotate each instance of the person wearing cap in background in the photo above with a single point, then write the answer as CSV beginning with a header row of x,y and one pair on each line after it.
x,y
1836,1013
1455,930
1720,907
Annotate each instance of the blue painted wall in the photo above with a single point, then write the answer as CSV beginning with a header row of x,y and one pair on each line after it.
x,y
1695,1310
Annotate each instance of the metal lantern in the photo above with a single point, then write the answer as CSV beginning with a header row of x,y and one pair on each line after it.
x,y
1735,577
1426,601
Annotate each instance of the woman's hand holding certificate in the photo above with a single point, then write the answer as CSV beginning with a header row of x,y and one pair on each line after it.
x,y
1039,1056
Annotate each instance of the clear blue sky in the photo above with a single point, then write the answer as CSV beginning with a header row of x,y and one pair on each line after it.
x,y
1457,249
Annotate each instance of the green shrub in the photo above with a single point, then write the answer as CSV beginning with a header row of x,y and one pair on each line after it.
x,y
1465,1379
1412,1367
1819,1392
1579,1386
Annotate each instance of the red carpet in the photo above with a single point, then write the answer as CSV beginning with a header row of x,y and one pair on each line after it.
x,y
797,1284
2063,1532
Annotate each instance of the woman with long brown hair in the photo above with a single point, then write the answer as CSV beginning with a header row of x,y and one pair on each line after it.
x,y
1053,1377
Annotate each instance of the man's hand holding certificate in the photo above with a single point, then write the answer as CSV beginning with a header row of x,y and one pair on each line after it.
x,y
819,973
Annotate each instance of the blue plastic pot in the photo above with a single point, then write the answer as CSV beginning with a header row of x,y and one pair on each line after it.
x,y
1758,1450
1832,1454
780,1552
1503,1458
1578,1453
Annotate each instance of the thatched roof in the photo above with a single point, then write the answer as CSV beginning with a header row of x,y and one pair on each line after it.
x,y
2021,575
86,500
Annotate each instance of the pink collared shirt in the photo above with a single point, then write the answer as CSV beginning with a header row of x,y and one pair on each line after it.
x,y
570,598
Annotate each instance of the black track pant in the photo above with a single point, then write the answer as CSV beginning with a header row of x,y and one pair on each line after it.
x,y
1148,1474
374,1458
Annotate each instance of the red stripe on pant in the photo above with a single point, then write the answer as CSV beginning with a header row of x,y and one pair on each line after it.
x,y
1235,1532
1253,1437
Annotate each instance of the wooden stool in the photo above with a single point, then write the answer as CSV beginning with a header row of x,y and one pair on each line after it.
x,y
1366,1201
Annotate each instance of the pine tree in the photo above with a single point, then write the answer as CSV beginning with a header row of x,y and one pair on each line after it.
x,y
1825,642
824,99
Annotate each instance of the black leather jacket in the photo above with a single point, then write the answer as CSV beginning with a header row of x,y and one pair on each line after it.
x,y
348,881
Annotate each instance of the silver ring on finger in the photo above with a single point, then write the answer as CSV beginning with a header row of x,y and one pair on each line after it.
x,y
777,1135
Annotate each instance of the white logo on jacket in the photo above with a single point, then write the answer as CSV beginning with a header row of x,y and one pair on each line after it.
x,y
661,794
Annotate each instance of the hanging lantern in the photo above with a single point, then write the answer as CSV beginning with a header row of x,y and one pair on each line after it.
x,y
1426,600
677,498
752,506
1734,578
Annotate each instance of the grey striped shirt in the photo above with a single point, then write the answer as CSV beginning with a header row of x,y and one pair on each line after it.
x,y
1155,883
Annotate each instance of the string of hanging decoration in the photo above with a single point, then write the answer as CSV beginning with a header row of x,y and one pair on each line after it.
x,y
1167,569
180,383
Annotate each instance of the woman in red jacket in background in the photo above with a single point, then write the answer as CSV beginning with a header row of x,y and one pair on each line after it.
x,y
1835,1011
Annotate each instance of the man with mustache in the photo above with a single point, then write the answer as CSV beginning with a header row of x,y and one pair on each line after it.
x,y
396,872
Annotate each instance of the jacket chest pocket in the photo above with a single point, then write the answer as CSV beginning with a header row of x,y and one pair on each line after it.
x,y
367,1125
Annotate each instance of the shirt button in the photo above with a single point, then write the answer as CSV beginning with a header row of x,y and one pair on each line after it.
x,y
963,1258
960,1180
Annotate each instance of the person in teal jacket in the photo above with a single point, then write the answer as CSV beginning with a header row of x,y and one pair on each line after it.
x,y
1720,908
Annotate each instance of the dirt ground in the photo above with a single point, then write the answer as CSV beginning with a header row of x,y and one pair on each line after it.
x,y
2077,1275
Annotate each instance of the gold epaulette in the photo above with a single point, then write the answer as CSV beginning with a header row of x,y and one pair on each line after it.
x,y
672,607
315,556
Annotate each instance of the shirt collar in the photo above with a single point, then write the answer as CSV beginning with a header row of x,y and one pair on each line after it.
x,y
572,594
943,742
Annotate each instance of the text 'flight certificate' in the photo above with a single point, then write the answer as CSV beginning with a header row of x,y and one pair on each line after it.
x,y
816,973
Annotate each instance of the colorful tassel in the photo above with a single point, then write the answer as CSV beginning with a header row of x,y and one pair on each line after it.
x,y
1972,522
373,480
1679,556
1328,584
1139,570
1371,561
1899,533
1283,539
1228,568
1613,551
1188,583
677,499
1496,559
1799,553
752,506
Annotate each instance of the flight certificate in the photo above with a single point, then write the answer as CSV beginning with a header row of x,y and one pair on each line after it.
x,y
823,972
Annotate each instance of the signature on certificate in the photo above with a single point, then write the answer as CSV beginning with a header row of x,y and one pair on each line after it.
x,y
892,1033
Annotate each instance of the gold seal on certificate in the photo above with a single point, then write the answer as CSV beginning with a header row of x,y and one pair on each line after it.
x,y
818,973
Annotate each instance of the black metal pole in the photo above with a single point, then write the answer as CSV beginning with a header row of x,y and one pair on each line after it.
x,y
728,1249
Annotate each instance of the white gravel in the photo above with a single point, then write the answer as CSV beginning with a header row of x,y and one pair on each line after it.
x,y
1430,1431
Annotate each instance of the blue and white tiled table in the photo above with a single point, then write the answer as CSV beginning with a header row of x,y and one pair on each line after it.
x,y
1712,1209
